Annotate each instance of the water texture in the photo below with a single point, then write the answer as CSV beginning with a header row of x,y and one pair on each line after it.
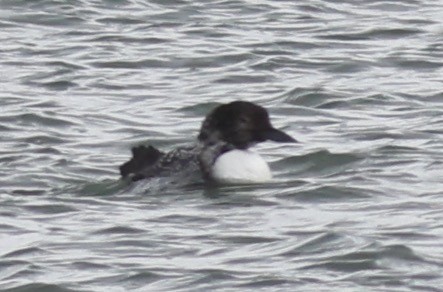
x,y
357,205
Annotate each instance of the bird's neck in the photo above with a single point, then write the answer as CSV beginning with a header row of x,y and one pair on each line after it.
x,y
209,153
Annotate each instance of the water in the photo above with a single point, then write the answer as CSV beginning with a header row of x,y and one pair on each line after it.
x,y
356,206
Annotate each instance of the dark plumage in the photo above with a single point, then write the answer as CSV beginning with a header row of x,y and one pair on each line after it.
x,y
142,157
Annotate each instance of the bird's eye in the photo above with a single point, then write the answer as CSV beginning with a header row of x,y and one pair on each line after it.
x,y
243,120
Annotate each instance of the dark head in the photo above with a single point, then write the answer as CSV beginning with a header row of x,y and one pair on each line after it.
x,y
241,124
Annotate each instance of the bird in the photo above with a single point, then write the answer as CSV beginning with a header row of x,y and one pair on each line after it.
x,y
221,152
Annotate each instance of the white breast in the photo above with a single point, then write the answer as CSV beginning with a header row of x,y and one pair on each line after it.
x,y
241,167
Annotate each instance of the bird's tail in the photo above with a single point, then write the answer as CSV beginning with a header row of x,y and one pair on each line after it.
x,y
142,157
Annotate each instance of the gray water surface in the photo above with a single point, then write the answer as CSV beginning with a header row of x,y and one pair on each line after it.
x,y
357,205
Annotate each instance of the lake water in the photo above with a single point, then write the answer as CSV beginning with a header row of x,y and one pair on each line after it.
x,y
357,205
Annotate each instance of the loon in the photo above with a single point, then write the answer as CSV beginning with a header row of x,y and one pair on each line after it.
x,y
221,153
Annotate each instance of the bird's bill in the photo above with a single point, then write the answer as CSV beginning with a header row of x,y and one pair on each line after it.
x,y
278,136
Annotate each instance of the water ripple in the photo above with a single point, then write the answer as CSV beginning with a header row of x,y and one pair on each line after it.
x,y
356,204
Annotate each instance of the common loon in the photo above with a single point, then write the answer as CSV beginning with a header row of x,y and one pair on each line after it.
x,y
221,151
